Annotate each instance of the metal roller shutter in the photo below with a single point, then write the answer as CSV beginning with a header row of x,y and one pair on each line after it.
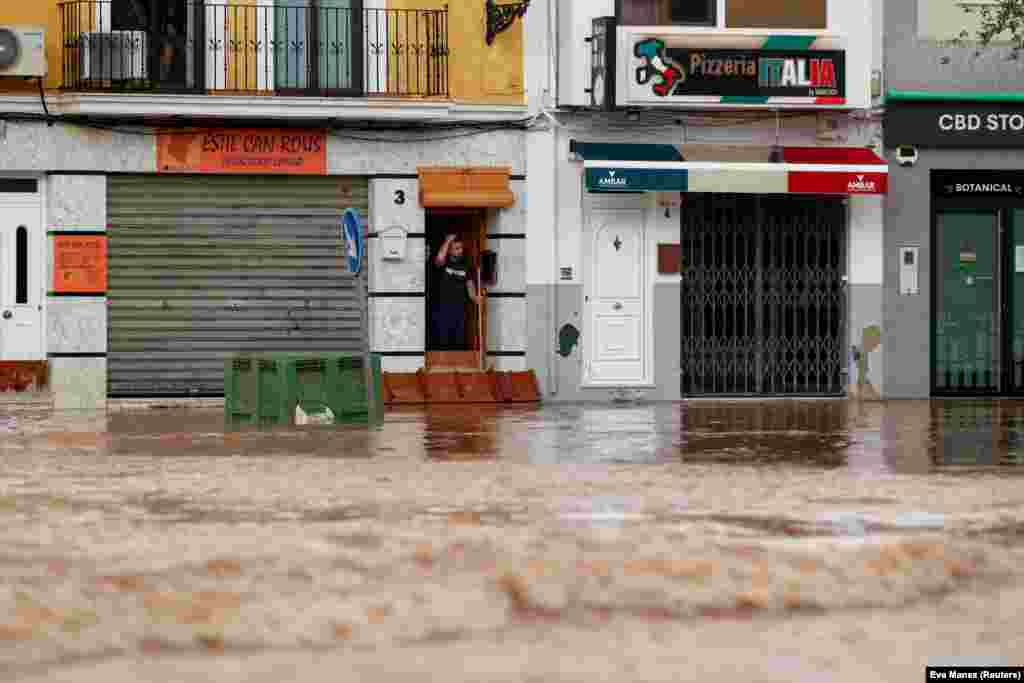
x,y
204,267
763,299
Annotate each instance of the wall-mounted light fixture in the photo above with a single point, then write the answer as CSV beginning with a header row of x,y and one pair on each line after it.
x,y
500,17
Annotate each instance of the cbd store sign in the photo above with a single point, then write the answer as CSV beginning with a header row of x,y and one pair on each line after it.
x,y
691,68
954,124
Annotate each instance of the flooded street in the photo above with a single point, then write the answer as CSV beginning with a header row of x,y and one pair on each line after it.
x,y
765,541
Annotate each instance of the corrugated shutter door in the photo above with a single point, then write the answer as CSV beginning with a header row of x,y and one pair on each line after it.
x,y
205,267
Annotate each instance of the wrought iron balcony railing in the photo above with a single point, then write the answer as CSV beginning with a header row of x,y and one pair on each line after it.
x,y
323,48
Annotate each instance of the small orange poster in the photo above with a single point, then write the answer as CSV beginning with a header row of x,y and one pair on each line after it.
x,y
251,151
80,264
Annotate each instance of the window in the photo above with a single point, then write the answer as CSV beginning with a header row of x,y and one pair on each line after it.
x,y
21,266
781,14
18,185
667,12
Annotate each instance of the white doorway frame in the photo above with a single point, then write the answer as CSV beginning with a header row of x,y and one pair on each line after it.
x,y
633,205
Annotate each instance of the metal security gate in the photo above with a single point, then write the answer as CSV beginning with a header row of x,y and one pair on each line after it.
x,y
204,267
763,295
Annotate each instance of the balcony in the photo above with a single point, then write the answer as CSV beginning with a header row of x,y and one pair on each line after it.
x,y
312,48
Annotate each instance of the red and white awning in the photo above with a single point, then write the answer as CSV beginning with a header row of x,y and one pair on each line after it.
x,y
799,170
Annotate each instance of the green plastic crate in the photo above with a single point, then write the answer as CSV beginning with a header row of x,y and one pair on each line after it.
x,y
378,389
265,389
273,392
254,392
310,384
241,399
352,397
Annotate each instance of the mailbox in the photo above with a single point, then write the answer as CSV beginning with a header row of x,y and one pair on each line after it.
x,y
489,268
393,243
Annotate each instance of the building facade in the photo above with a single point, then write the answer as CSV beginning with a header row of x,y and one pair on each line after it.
x,y
954,253
172,184
718,201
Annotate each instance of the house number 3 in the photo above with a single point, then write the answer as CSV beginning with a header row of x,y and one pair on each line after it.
x,y
399,197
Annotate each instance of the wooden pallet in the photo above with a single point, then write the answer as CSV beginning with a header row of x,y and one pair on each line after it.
x,y
403,388
452,387
517,387
453,361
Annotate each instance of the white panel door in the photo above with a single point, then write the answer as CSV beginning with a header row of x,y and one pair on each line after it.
x,y
216,13
21,278
616,300
376,45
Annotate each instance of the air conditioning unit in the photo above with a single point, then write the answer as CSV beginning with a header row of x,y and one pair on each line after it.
x,y
113,56
23,51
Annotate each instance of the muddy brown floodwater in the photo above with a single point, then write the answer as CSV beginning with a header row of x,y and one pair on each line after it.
x,y
762,541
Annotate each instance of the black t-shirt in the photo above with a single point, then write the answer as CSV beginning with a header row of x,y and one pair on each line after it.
x,y
453,282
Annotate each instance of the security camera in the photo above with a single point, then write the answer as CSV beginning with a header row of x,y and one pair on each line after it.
x,y
906,155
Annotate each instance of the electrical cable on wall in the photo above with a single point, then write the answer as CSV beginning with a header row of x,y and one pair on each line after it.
x,y
412,133
42,100
431,131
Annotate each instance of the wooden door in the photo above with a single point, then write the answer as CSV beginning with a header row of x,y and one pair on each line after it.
x,y
481,321
474,237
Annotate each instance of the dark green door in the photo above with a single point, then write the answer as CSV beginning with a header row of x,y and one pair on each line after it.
x,y
1016,291
292,48
968,342
335,24
318,44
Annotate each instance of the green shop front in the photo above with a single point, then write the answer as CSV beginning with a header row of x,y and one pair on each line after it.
x,y
956,231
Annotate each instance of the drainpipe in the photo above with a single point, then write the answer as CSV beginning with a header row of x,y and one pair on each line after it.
x,y
553,292
552,364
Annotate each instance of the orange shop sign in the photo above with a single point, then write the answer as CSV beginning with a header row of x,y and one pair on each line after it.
x,y
80,264
251,151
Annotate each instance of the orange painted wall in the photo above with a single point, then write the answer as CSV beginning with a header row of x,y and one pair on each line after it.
x,y
35,13
478,72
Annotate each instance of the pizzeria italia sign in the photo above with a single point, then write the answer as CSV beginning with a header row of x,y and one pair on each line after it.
x,y
740,70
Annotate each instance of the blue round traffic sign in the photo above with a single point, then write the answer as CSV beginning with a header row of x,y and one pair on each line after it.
x,y
352,238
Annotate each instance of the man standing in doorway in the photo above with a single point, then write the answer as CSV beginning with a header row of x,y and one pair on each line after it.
x,y
449,315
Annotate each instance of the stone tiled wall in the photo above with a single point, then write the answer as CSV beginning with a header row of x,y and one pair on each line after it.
x,y
398,325
77,202
496,148
511,264
76,326
406,276
507,321
511,221
34,146
509,364
506,324
38,147
78,383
